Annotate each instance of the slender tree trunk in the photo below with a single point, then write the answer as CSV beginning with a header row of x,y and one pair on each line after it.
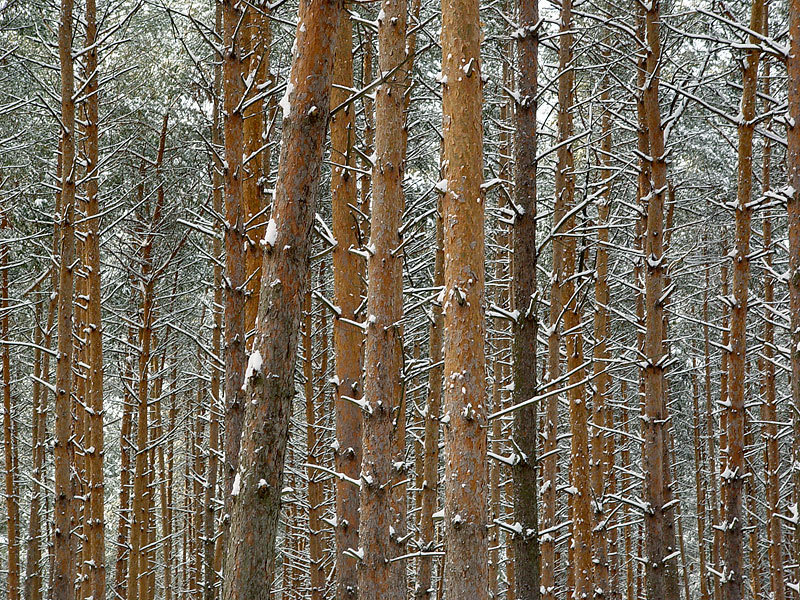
x,y
710,435
270,380
383,360
525,328
126,448
256,41
233,68
466,482
430,479
217,404
138,563
63,563
734,477
348,269
769,408
601,361
315,489
33,569
12,494
660,545
700,490
793,212
94,446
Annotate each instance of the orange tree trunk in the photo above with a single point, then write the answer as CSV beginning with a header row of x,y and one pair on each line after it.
x,y
256,488
63,563
383,357
793,211
734,477
466,482
423,588
348,269
94,446
12,497
523,282
661,574
233,89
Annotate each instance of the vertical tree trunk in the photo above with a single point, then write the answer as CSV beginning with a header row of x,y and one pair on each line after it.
x,y
550,445
348,269
734,477
466,482
700,491
661,574
601,359
12,495
793,212
430,479
233,63
33,569
315,489
581,544
94,446
63,564
525,328
769,408
270,379
256,41
630,579
710,435
126,449
217,404
138,563
383,358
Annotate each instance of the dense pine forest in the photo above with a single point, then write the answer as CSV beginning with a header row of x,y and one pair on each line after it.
x,y
400,300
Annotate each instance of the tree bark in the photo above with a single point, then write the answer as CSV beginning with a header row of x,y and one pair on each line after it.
x,y
10,475
63,564
524,293
348,270
793,213
383,357
661,574
466,481
430,479
256,507
734,477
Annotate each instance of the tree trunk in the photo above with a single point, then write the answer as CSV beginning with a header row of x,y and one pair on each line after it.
x,y
348,270
94,446
235,45
700,491
466,482
315,487
661,574
734,477
63,563
525,328
769,408
430,479
793,213
383,358
270,380
12,494
601,360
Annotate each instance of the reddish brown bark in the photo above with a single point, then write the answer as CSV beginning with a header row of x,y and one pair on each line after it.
x,y
63,563
659,545
348,270
525,328
383,356
466,479
270,382
793,213
733,478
